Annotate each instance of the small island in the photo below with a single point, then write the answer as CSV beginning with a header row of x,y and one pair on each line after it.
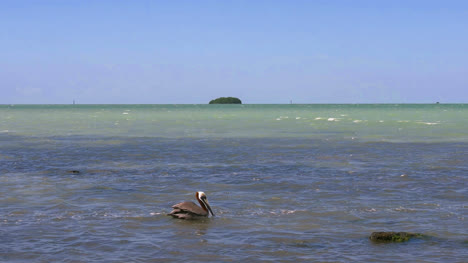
x,y
226,100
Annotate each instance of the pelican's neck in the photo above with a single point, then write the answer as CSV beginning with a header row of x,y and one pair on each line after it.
x,y
201,202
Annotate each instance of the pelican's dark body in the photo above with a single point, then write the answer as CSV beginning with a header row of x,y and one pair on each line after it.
x,y
189,210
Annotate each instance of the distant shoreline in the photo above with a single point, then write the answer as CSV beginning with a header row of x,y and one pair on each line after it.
x,y
244,104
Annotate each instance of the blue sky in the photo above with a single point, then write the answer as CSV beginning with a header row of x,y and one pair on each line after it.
x,y
260,51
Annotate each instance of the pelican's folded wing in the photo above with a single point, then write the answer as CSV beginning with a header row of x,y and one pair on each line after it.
x,y
187,208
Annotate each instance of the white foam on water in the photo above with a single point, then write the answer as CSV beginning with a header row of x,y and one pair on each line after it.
x,y
283,212
428,123
404,209
282,117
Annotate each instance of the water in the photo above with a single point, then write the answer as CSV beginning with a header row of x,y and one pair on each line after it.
x,y
286,182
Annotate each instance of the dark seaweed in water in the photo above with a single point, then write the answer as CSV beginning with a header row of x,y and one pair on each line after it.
x,y
393,236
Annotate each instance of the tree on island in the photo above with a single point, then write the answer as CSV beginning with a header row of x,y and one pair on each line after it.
x,y
226,100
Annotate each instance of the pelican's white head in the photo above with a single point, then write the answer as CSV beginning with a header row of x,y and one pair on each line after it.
x,y
201,197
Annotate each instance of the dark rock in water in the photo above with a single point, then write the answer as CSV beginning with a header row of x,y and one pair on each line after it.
x,y
392,236
74,171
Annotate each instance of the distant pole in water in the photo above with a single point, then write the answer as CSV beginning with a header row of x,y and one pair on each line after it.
x,y
73,102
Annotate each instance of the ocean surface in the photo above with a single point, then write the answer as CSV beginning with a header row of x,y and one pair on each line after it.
x,y
288,183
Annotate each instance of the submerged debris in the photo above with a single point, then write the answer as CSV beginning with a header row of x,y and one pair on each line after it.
x,y
393,236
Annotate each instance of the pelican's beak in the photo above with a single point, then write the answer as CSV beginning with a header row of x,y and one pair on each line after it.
x,y
203,199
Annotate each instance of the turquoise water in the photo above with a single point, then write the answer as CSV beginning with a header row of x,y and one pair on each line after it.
x,y
390,122
287,182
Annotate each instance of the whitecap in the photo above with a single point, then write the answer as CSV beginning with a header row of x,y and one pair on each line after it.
x,y
283,212
429,123
404,209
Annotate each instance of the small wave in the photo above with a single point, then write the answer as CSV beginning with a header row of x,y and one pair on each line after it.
x,y
404,209
282,212
430,204
428,123
286,212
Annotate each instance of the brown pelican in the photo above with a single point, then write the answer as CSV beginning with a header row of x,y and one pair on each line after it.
x,y
189,210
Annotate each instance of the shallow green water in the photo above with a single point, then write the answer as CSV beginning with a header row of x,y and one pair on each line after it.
x,y
406,123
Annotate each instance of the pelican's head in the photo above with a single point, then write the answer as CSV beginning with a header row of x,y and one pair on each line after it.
x,y
201,196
